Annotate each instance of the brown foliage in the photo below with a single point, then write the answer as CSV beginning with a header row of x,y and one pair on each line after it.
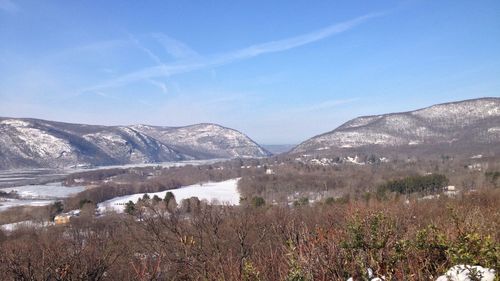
x,y
415,241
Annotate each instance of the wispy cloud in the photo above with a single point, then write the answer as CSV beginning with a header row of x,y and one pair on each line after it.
x,y
8,6
175,48
148,52
162,86
163,70
289,43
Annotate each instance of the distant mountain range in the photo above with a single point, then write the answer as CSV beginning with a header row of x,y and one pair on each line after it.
x,y
29,143
278,148
470,125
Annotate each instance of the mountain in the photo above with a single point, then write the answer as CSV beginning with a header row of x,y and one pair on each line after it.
x,y
470,125
205,141
30,143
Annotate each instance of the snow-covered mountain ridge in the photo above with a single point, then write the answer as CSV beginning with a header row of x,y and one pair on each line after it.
x,y
205,140
464,123
26,143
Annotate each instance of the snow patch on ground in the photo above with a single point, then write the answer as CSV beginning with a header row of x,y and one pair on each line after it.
x,y
323,148
369,272
28,224
467,273
354,160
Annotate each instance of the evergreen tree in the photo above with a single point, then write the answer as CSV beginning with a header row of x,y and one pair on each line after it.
x,y
130,207
156,199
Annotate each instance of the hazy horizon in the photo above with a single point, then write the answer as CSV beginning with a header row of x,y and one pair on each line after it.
x,y
279,72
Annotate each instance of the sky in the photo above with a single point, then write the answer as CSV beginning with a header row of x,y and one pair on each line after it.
x,y
278,71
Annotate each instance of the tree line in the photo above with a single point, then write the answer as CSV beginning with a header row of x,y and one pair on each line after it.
x,y
334,241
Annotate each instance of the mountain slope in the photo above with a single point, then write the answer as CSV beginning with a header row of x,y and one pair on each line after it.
x,y
206,140
28,143
467,123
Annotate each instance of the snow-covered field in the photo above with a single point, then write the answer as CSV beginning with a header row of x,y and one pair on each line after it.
x,y
47,191
37,195
225,192
32,194
6,203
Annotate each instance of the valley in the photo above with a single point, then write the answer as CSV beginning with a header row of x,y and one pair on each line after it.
x,y
249,140
320,199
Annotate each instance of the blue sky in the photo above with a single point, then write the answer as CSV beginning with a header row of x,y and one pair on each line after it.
x,y
279,71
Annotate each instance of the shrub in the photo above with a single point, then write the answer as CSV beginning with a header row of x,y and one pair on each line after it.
x,y
258,201
303,201
85,201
